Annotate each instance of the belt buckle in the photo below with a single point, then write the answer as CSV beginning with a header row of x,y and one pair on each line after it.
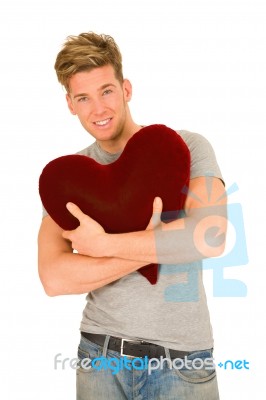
x,y
122,347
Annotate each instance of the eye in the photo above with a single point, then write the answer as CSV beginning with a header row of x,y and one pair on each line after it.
x,y
82,99
107,91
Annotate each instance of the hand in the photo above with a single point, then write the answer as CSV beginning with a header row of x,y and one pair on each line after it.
x,y
88,237
155,220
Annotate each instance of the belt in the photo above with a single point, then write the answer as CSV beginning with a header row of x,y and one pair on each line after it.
x,y
133,348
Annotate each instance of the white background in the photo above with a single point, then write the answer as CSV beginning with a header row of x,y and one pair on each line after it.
x,y
194,64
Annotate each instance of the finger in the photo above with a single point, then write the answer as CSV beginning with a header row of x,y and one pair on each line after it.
x,y
75,211
157,205
157,210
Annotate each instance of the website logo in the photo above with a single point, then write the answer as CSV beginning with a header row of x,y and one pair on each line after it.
x,y
234,257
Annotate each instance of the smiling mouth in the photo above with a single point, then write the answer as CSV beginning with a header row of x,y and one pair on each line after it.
x,y
103,122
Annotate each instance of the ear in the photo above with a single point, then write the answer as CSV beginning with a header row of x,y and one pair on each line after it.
x,y
127,88
70,104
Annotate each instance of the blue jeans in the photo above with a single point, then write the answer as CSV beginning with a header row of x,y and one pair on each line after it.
x,y
106,378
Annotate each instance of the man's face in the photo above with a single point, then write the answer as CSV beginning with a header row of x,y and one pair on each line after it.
x,y
100,102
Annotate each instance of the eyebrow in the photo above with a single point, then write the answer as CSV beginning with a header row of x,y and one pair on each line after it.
x,y
101,88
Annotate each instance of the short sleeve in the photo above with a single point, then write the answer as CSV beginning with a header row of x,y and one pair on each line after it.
x,y
203,159
44,212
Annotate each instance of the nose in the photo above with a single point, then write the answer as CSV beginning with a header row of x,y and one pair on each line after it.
x,y
99,107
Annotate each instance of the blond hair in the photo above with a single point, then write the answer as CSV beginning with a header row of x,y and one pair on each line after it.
x,y
85,52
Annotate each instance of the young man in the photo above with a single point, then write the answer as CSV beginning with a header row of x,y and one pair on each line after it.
x,y
125,314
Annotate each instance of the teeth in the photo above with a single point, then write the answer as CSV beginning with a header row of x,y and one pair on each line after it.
x,y
104,122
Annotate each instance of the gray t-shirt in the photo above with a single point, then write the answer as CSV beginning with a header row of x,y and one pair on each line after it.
x,y
174,312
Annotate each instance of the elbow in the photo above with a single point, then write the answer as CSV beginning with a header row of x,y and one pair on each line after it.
x,y
50,288
213,245
215,251
50,292
209,232
49,282
55,283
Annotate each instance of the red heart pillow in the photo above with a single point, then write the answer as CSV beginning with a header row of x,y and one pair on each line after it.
x,y
155,162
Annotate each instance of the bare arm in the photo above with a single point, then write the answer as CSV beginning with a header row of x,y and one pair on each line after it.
x,y
200,234
104,258
64,272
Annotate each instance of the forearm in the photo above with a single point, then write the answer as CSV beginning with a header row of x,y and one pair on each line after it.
x,y
72,273
151,246
182,241
63,272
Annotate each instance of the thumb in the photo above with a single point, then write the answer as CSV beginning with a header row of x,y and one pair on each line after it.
x,y
157,205
75,211
156,213
157,210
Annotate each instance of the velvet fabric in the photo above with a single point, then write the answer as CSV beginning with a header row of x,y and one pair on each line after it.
x,y
155,162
